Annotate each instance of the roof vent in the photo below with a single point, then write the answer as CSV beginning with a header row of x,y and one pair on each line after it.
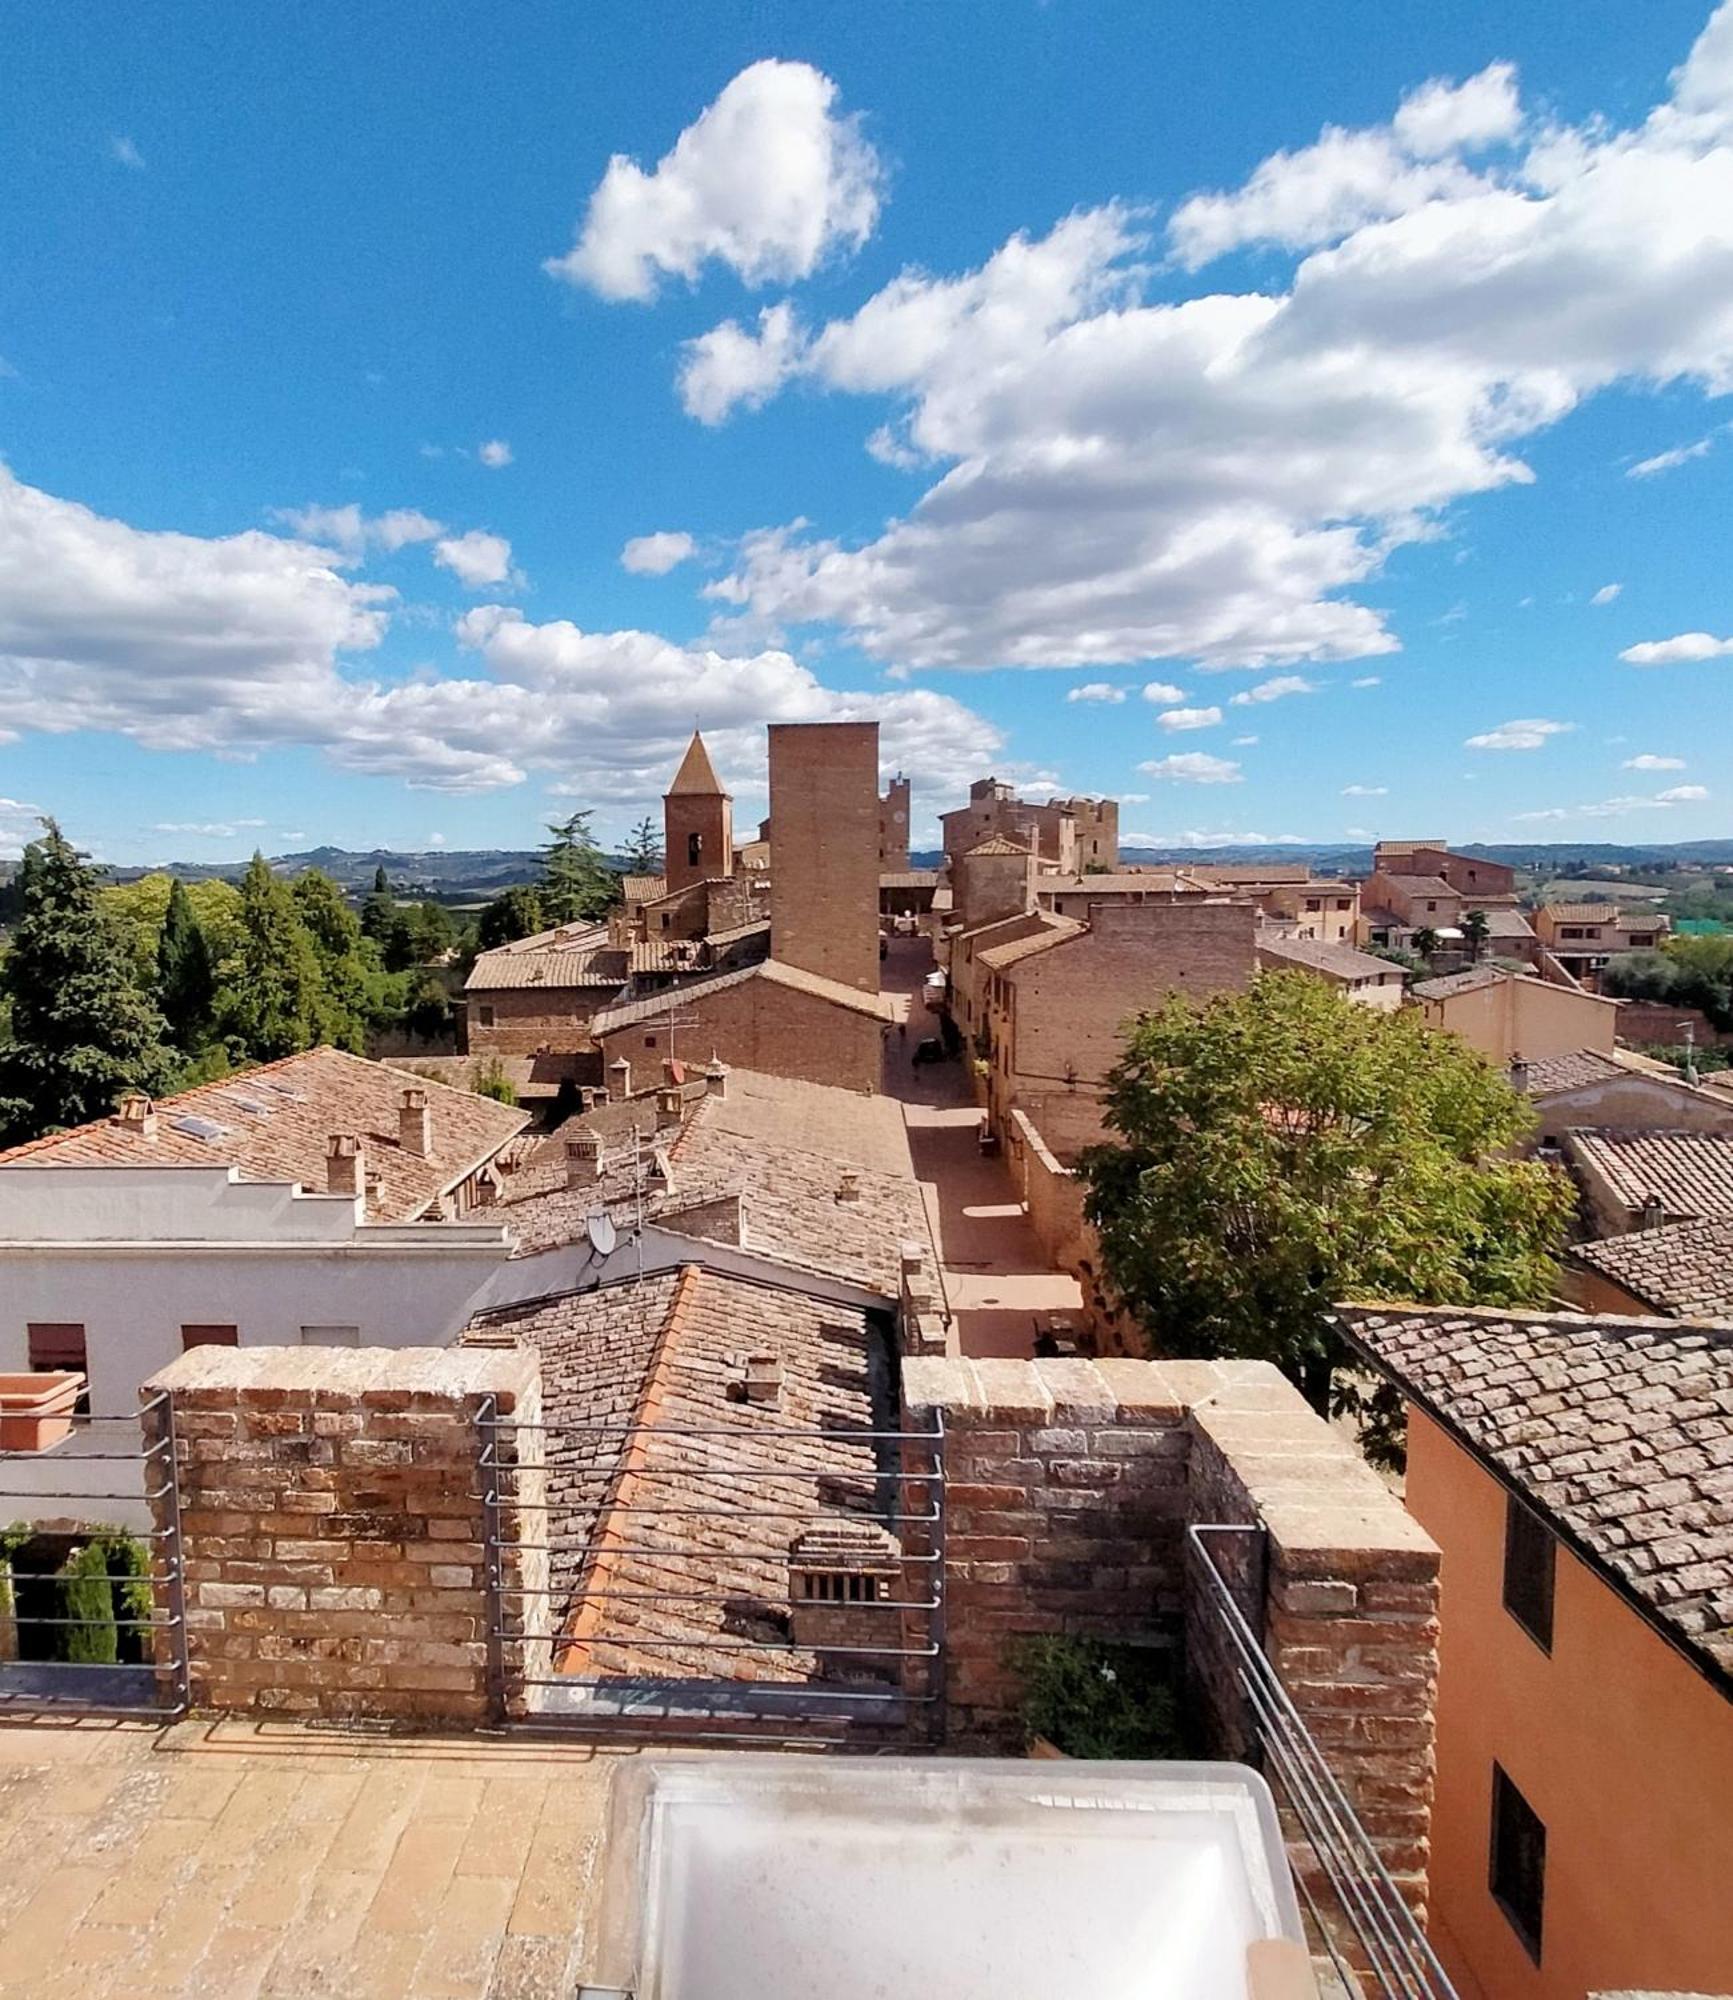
x,y
137,1115
1653,1213
415,1123
619,1079
848,1187
583,1159
345,1164
716,1077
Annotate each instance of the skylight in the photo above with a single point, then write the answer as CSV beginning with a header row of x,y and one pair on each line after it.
x,y
199,1128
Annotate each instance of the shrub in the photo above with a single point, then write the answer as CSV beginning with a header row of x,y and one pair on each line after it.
x,y
1093,1699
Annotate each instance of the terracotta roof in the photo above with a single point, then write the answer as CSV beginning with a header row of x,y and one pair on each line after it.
x,y
910,878
1550,1075
1421,885
272,1124
1129,881
696,773
1690,1172
643,888
1506,923
538,1075
1469,981
1583,913
994,844
770,969
1341,961
1684,1270
1058,930
516,971
675,1591
1619,1431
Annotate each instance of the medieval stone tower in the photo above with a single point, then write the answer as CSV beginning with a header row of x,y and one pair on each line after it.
x,y
697,821
824,849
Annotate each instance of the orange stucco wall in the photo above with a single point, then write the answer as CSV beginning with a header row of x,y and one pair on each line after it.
x,y
1623,1749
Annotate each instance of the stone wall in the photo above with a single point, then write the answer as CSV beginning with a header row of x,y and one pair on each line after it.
x,y
1070,1485
333,1528
762,1025
1052,1195
824,883
529,1019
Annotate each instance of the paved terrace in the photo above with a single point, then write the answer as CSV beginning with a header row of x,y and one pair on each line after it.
x,y
998,1279
242,1859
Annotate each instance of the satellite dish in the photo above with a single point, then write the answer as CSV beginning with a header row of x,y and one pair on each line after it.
x,y
601,1232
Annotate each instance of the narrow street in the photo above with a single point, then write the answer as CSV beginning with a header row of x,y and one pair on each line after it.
x,y
998,1283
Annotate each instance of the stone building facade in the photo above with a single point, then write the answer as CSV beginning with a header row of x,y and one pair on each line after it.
x,y
824,880
894,827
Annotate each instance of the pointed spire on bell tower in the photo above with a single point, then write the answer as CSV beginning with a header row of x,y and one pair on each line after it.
x,y
697,821
696,776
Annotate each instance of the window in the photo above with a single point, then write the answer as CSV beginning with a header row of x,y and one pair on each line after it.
x,y
1530,1557
1518,1873
1432,906
649,1041
55,1345
1313,903
667,918
1342,902
209,1334
694,848
484,1015
330,1336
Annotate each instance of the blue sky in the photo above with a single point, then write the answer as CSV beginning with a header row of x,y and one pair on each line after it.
x,y
1100,394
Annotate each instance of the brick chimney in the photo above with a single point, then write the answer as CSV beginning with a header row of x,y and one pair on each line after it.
x,y
136,1115
583,1159
716,1077
660,1174
345,1164
619,1080
1519,1075
670,1106
415,1124
1653,1213
487,1189
844,1584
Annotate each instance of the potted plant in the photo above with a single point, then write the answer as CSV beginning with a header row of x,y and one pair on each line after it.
x,y
36,1410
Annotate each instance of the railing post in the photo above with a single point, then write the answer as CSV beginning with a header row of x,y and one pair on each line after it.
x,y
937,1616
493,1598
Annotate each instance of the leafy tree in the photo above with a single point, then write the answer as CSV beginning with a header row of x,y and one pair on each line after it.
x,y
427,1010
353,991
1425,942
82,1030
140,909
488,1078
433,932
576,881
276,1004
643,854
1477,928
1282,1149
517,913
186,978
380,909
1686,972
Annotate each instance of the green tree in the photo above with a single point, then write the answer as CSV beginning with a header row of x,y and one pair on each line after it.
x,y
516,913
1425,942
186,978
1281,1149
354,993
380,909
1477,928
643,854
276,1003
82,1028
576,882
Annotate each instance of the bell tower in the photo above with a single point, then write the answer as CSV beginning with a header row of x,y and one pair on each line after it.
x,y
697,821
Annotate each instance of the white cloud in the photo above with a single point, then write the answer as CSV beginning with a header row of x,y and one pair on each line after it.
x,y
1189,718
1648,762
1274,690
1162,692
1122,475
20,823
1210,837
656,555
1669,652
495,452
1619,808
768,180
1194,768
1243,742
1095,691
1668,461
1368,681
436,840
475,559
1679,795
729,367
1532,734
348,529
207,829
1365,791
124,153
1606,593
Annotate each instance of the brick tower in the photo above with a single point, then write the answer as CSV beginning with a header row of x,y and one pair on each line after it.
x,y
697,821
824,849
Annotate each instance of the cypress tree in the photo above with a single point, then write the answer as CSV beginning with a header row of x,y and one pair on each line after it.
x,y
277,1005
186,980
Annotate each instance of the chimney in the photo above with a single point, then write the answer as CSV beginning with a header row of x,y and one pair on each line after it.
x,y
619,1080
848,1186
345,1164
375,1182
1519,1075
583,1159
661,1172
137,1115
415,1124
670,1106
487,1189
716,1077
1653,1213
761,1380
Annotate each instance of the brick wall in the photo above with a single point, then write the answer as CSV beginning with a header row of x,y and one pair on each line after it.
x,y
332,1529
763,1026
526,1020
1069,1488
824,881
1052,1197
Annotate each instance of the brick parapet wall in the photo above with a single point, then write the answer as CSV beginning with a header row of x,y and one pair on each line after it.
x,y
333,1528
1069,1487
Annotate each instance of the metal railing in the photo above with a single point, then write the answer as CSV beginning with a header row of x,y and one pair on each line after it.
x,y
1366,1897
655,1589
54,1497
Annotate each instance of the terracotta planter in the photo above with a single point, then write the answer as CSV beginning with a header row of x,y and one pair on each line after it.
x,y
36,1410
1040,1747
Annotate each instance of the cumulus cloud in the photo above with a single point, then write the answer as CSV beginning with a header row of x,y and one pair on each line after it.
x,y
1162,692
207,829
1606,593
124,153
348,529
495,452
1677,795
1533,734
1276,689
1668,461
1368,681
1193,767
20,823
1670,652
1365,791
768,180
1243,742
1189,718
1097,691
729,368
656,555
1649,762
476,559
1120,474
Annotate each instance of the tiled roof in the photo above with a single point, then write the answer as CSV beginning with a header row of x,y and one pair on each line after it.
x,y
910,878
1691,1173
510,971
1583,913
739,934
1507,923
643,888
1550,1075
770,969
1469,981
697,775
674,1591
994,844
1421,885
1341,961
1127,882
272,1124
1058,930
1620,1431
1684,1270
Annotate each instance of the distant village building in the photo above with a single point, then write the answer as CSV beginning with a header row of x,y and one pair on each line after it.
x,y
1070,836
1586,937
1505,1014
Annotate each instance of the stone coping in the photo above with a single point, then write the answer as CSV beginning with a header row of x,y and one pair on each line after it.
x,y
446,1374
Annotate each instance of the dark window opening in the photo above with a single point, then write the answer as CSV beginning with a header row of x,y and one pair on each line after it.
x,y
1518,1872
649,1041
484,1015
827,1588
694,848
209,1334
1530,1560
